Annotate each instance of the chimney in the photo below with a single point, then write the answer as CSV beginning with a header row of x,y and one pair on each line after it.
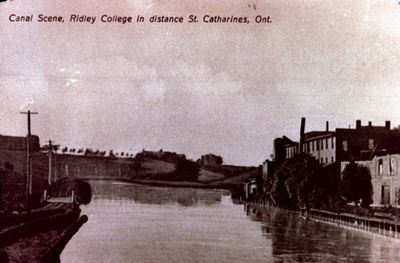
x,y
387,125
302,128
358,124
327,126
369,124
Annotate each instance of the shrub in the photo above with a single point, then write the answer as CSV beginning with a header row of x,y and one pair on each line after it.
x,y
356,185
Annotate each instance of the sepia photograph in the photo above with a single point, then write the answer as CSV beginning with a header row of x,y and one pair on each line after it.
x,y
199,131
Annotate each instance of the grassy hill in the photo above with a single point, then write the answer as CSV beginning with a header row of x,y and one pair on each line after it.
x,y
144,170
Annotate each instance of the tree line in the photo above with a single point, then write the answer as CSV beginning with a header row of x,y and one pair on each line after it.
x,y
302,182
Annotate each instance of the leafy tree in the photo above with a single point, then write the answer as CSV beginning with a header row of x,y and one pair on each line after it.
x,y
295,182
366,186
83,191
356,185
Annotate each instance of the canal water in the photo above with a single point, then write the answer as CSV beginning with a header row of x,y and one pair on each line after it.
x,y
136,223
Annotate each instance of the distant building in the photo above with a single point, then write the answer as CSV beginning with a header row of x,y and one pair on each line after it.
x,y
17,143
284,148
342,144
291,149
280,148
210,159
161,155
352,142
321,145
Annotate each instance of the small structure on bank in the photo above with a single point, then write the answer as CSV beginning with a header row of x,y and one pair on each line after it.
x,y
250,188
210,159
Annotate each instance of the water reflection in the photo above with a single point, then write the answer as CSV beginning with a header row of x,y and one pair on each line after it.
x,y
296,239
155,195
135,223
130,223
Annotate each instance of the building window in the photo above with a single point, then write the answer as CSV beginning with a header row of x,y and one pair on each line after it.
x,y
397,196
312,145
322,144
326,160
391,165
344,146
326,143
317,142
385,195
333,160
332,140
370,144
380,167
322,160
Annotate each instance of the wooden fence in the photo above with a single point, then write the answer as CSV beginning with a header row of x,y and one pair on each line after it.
x,y
379,226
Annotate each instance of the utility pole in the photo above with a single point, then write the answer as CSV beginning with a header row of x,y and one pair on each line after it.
x,y
51,148
50,165
29,165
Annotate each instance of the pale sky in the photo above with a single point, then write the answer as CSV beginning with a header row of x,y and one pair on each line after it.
x,y
227,89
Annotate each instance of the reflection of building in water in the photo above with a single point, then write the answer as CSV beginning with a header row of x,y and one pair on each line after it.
x,y
156,195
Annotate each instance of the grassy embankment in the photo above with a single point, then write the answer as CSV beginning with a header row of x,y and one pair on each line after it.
x,y
158,172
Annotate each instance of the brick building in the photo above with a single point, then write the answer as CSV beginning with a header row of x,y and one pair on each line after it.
x,y
385,178
343,144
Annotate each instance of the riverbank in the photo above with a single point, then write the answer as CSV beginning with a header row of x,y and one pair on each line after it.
x,y
384,227
40,236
